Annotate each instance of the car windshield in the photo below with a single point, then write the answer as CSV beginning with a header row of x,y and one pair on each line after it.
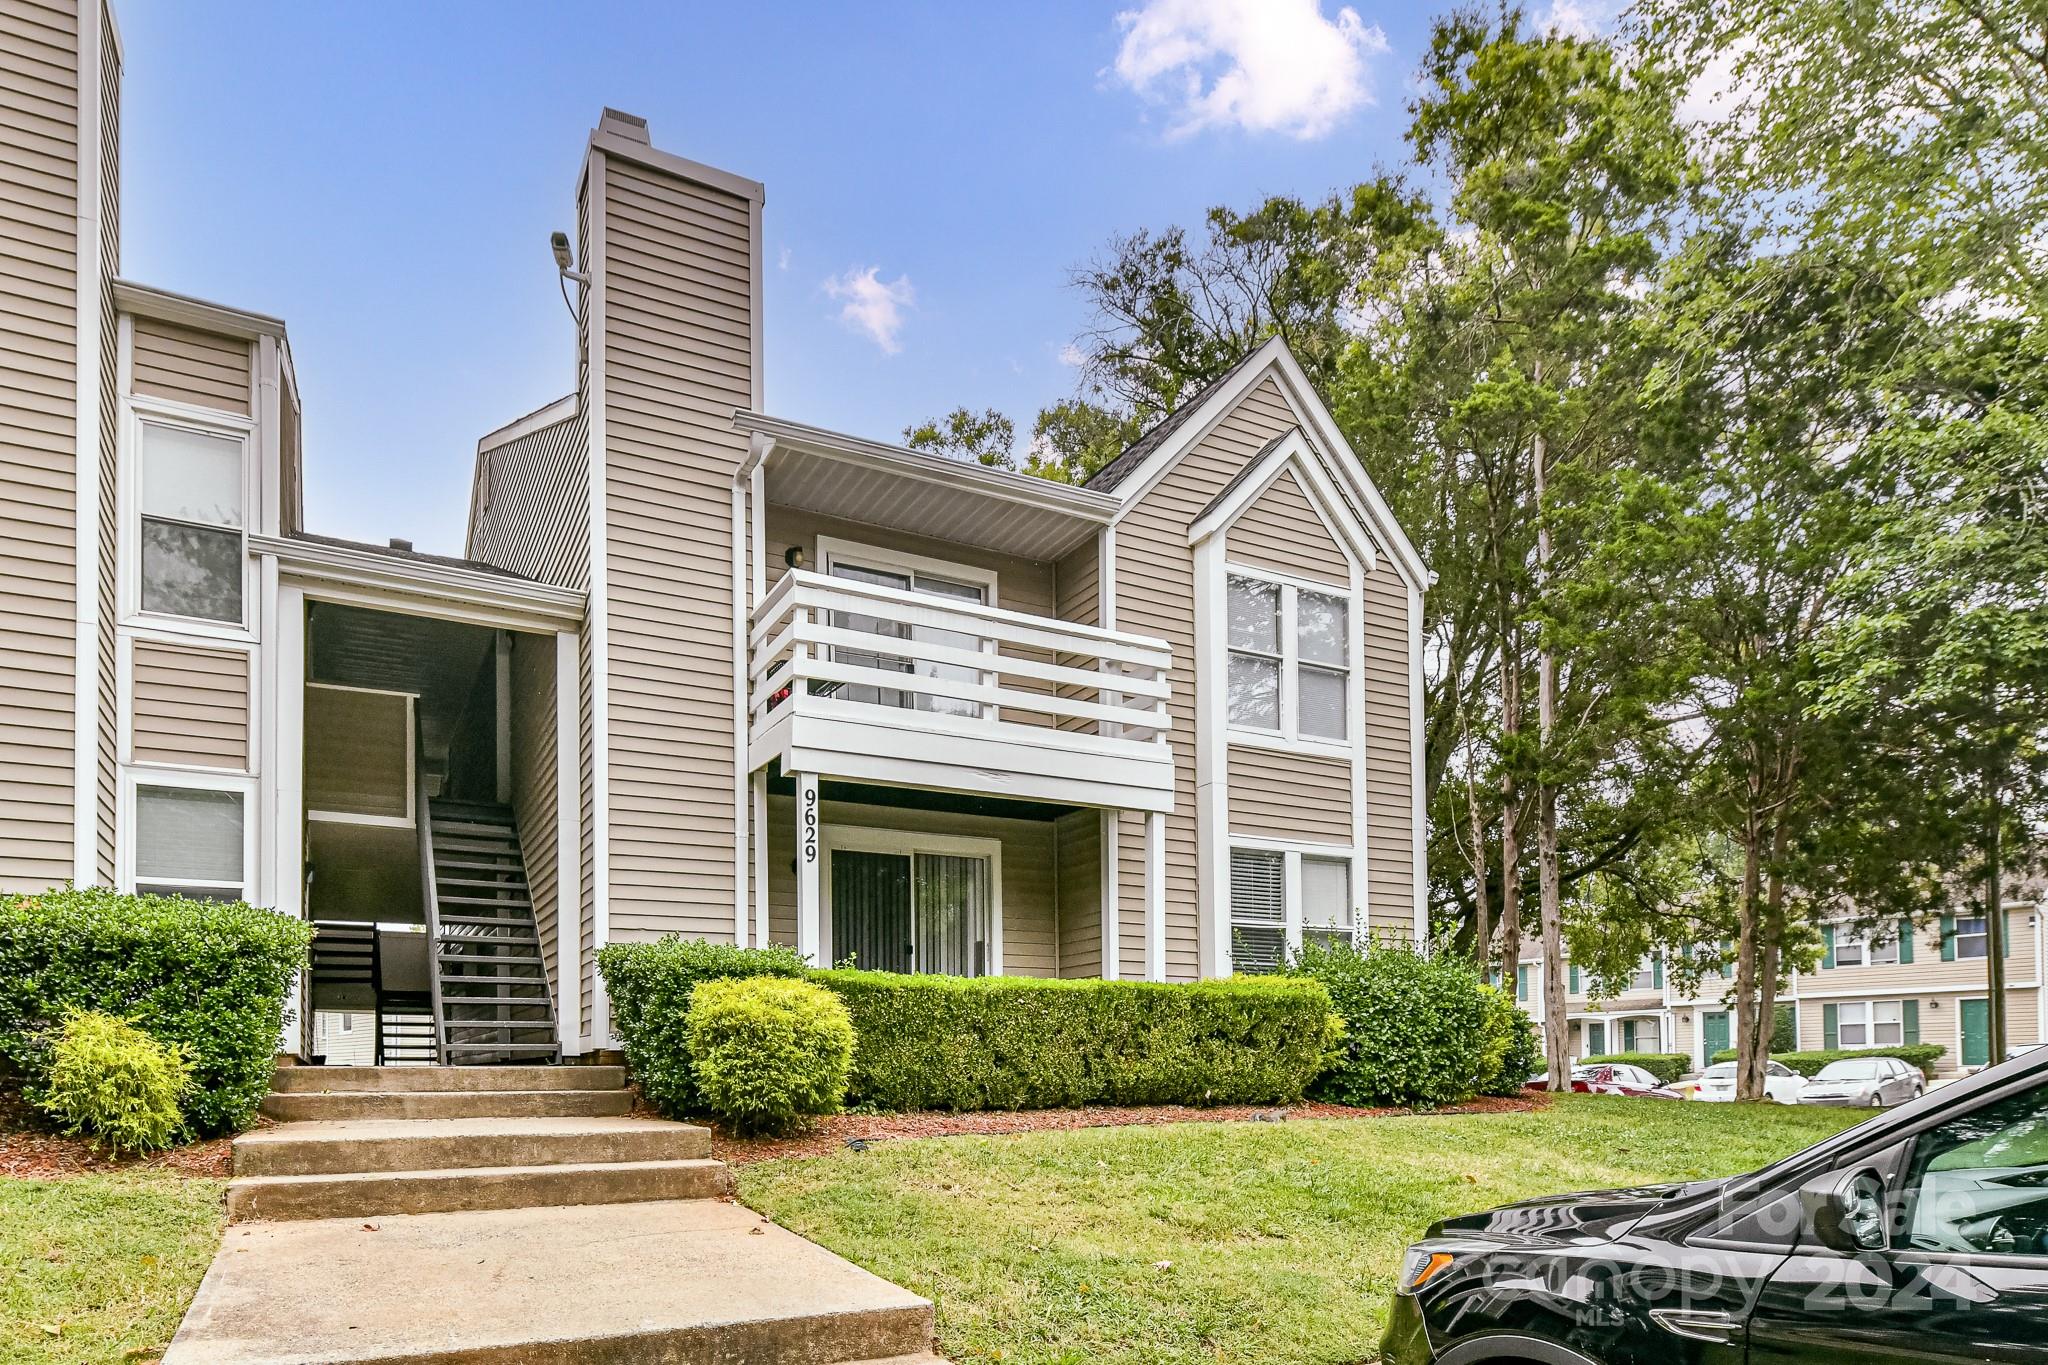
x,y
1848,1071
1719,1071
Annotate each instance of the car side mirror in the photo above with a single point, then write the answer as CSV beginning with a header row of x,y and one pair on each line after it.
x,y
1844,1211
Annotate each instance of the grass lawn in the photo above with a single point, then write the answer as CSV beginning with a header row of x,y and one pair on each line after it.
x,y
1222,1242
99,1268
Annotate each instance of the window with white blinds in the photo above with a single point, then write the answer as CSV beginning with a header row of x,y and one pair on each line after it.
x,y
1281,899
190,841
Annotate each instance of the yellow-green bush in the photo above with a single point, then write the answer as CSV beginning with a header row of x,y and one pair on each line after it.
x,y
111,1082
650,985
768,1053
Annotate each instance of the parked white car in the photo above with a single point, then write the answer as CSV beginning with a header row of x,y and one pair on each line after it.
x,y
1782,1085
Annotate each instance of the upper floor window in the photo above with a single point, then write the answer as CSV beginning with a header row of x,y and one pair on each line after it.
x,y
189,494
1290,660
1971,936
1645,978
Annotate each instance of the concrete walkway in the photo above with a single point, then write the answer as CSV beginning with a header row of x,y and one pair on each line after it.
x,y
466,1238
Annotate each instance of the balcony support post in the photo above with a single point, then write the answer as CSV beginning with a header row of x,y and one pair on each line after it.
x,y
809,853
1155,896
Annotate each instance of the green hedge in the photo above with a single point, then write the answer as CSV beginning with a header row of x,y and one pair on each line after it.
x,y
1665,1066
650,986
967,1043
1922,1055
208,977
1419,1029
1513,1051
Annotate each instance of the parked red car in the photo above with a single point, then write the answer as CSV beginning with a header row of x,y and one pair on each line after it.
x,y
1618,1078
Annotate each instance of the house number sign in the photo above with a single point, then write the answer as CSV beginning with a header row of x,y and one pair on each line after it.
x,y
810,823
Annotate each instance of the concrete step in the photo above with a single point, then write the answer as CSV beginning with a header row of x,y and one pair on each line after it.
x,y
359,1145
370,1194
394,1079
690,1282
448,1104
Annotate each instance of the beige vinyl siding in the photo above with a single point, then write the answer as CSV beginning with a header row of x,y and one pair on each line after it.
x,y
1021,584
1279,795
678,357
532,511
1155,595
190,366
1079,835
533,783
1941,1019
1030,901
191,705
1281,531
38,439
1389,753
108,720
1927,971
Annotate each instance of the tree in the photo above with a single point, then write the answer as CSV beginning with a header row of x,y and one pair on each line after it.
x,y
985,437
1073,438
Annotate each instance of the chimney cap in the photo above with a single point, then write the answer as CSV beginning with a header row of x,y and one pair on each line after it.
x,y
401,543
629,126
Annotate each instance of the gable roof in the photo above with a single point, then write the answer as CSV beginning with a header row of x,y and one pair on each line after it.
x,y
1133,455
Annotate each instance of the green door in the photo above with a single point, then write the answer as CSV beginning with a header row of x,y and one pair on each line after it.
x,y
1976,1032
1596,1038
1714,1032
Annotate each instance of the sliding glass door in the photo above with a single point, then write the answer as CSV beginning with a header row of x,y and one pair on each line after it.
x,y
908,909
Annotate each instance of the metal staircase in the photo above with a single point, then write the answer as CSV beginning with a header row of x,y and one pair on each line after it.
x,y
490,998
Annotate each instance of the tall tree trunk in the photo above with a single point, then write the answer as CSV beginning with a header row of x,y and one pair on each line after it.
x,y
1748,1066
1510,807
1550,905
1482,915
1994,903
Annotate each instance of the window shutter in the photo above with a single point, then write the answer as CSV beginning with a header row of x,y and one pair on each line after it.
x,y
1948,938
1575,980
1830,1030
1522,982
1657,972
2005,938
1909,1018
1827,957
1628,1035
1905,942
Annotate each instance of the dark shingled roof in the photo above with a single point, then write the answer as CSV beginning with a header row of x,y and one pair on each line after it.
x,y
412,556
1123,466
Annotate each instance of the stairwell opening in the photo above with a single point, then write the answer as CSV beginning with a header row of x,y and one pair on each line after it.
x,y
428,744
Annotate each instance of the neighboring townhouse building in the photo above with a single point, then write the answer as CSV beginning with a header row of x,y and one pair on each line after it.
x,y
701,669
1925,985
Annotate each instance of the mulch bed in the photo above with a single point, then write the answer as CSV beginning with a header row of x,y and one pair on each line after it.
x,y
839,1131
29,1150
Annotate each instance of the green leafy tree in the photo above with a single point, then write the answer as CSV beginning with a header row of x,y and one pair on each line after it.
x,y
985,437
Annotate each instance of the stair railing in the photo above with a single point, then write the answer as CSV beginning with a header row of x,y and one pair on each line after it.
x,y
430,903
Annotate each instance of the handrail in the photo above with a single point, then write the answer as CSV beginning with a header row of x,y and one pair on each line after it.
x,y
995,616
430,903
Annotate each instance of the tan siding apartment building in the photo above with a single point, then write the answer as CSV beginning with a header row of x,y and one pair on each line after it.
x,y
701,669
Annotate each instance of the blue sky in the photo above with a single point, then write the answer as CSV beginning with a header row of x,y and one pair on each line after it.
x,y
384,176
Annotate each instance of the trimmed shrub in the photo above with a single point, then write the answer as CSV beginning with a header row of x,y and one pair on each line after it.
x,y
650,985
967,1043
1416,1026
209,978
111,1082
1808,1064
1665,1066
769,1053
1511,1052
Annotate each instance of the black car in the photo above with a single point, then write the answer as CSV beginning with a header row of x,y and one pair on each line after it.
x,y
1919,1235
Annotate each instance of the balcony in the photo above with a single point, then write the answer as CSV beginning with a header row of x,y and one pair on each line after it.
x,y
866,683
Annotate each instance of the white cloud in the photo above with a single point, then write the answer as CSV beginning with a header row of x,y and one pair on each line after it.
x,y
873,305
1267,66
782,259
1073,356
1585,19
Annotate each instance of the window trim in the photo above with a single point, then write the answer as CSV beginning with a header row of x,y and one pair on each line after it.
x,y
1869,1023
139,411
833,837
1982,937
834,548
1287,736
1292,852
185,779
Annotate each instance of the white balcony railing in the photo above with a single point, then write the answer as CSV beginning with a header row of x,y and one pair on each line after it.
x,y
953,678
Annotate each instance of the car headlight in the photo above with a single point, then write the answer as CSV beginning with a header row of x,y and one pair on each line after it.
x,y
1419,1265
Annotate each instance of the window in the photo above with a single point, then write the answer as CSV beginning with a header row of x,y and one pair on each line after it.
x,y
189,841
1870,1023
1971,936
1865,952
1522,983
1849,952
1290,660
1979,1183
1645,978
1282,899
189,494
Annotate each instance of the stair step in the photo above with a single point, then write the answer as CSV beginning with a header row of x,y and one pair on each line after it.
x,y
548,1048
358,1145
515,921
369,1194
528,1001
501,958
379,1080
521,901
472,829
449,1104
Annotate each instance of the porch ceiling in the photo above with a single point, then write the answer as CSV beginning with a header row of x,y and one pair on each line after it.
x,y
921,493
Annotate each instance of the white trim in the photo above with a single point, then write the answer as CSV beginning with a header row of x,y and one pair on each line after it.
x,y
1360,757
811,928
1419,818
540,419
907,842
266,704
138,411
284,767
1292,851
1111,946
1288,738
742,768
1155,896
605,139
598,612
148,301
444,591
763,935
568,844
86,531
1212,761
835,548
1292,452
